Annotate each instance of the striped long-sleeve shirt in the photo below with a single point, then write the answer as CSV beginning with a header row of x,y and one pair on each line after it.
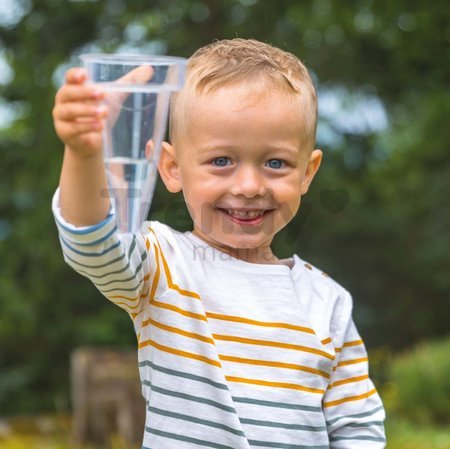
x,y
233,355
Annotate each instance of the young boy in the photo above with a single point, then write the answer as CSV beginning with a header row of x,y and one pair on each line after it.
x,y
237,348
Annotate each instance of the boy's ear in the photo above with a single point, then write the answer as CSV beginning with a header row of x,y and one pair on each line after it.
x,y
311,169
169,169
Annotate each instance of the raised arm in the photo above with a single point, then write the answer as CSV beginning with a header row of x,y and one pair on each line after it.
x,y
117,264
78,116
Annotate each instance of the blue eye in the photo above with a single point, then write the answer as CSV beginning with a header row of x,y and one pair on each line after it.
x,y
221,161
275,163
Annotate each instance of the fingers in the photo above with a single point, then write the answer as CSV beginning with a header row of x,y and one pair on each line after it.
x,y
149,149
70,130
76,89
74,92
78,114
76,75
73,110
138,75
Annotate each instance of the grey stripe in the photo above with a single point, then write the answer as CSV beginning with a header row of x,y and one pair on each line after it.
x,y
204,422
90,254
285,445
121,280
89,229
358,415
232,410
308,408
176,373
96,266
133,289
172,372
175,436
99,276
138,268
99,240
132,246
365,424
143,257
189,397
281,425
359,437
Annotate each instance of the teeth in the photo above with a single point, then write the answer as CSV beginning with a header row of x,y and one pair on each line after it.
x,y
245,214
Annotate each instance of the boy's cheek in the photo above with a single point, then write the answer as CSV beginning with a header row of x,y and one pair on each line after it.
x,y
287,212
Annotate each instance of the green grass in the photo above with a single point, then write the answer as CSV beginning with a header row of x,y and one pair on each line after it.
x,y
18,441
45,432
402,434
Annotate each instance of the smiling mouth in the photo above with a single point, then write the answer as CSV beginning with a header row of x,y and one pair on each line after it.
x,y
246,217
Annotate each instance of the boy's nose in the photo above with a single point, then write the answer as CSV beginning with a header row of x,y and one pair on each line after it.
x,y
249,182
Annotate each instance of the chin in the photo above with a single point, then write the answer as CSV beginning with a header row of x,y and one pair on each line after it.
x,y
243,243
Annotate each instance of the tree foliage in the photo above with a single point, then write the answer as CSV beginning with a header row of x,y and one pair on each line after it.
x,y
376,218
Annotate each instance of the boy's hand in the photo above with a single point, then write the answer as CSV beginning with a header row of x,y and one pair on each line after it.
x,y
78,113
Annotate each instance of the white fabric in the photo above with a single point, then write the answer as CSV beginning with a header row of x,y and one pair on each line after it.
x,y
233,354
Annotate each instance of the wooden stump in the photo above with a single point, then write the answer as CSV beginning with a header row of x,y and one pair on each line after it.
x,y
106,396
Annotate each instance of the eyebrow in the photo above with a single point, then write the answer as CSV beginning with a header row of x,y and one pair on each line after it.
x,y
290,150
268,149
209,148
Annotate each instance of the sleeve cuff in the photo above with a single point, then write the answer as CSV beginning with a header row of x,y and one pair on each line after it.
x,y
87,233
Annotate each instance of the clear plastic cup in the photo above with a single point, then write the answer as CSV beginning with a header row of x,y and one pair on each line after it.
x,y
138,89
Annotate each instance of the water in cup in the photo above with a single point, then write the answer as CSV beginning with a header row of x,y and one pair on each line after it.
x,y
137,91
128,181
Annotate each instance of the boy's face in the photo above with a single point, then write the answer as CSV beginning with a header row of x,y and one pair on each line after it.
x,y
242,164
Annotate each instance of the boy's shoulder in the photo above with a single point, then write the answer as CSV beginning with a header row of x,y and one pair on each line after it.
x,y
322,283
325,300
167,239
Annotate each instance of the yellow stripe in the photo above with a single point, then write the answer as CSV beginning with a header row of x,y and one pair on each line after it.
x,y
326,341
350,343
195,295
163,305
157,274
232,358
348,381
351,362
218,316
166,268
112,298
353,343
274,364
186,354
267,383
349,399
273,343
176,330
124,297
170,283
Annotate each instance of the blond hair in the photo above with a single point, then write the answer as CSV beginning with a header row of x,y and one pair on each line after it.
x,y
231,62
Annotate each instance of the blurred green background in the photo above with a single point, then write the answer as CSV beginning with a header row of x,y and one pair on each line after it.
x,y
376,219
